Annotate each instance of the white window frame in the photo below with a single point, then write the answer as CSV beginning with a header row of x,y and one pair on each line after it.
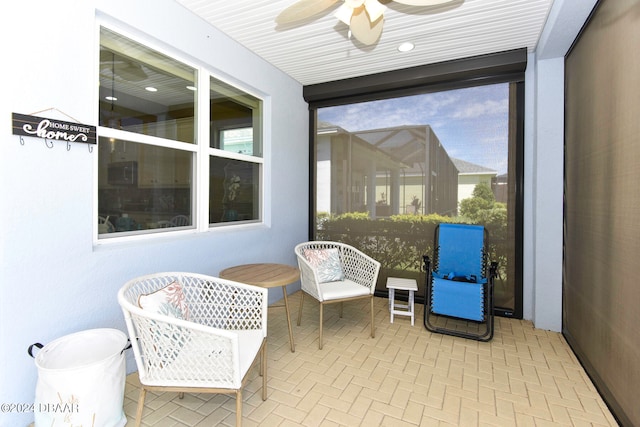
x,y
201,148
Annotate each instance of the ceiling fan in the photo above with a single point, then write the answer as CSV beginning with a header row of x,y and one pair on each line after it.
x,y
365,18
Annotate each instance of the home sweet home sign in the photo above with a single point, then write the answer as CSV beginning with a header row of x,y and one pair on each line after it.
x,y
57,130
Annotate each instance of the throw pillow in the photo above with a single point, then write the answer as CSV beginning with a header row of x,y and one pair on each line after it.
x,y
327,264
169,301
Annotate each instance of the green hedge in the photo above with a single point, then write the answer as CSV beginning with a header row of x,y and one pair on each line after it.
x,y
400,241
397,242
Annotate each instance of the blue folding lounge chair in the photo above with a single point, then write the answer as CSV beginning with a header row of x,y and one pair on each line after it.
x,y
460,285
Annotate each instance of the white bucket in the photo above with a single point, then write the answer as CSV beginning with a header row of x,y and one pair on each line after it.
x,y
81,379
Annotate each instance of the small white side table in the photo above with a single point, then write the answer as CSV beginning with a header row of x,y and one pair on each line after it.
x,y
401,284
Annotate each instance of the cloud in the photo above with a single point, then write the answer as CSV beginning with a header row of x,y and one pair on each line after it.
x,y
472,123
412,110
482,109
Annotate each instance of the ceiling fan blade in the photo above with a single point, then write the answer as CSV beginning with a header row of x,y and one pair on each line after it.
x,y
375,9
422,2
365,31
303,9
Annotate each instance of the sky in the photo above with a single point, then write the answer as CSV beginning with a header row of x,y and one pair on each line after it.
x,y
472,123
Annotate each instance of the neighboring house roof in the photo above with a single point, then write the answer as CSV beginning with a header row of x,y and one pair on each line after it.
x,y
382,156
330,127
468,168
404,136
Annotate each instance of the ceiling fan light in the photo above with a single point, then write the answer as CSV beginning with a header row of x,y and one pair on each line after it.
x,y
344,13
406,47
374,9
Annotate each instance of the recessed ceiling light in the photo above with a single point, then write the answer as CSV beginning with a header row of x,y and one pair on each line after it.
x,y
192,88
151,89
406,47
110,98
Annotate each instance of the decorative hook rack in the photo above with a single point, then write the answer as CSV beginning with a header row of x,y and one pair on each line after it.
x,y
53,130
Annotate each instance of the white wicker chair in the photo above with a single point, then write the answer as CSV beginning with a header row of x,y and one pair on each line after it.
x,y
212,351
360,276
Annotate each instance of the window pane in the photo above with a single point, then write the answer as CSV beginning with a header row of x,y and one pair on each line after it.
x,y
143,187
235,120
387,171
144,91
234,188
237,140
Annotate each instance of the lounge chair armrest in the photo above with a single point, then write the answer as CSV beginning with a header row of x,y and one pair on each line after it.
x,y
493,269
426,262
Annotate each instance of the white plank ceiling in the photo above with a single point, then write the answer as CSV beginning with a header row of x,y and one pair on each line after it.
x,y
318,49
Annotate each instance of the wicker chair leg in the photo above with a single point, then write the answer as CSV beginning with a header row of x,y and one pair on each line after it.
x,y
300,308
143,394
341,309
181,395
264,371
239,408
321,319
262,364
373,327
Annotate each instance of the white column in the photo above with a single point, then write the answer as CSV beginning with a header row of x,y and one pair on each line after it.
x,y
544,164
548,178
394,197
371,189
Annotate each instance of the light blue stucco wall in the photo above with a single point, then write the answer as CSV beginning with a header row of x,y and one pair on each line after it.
x,y
54,280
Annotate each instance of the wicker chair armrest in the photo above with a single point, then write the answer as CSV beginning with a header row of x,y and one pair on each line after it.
x,y
308,277
229,305
165,346
209,299
359,267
